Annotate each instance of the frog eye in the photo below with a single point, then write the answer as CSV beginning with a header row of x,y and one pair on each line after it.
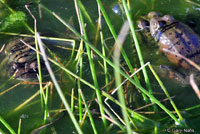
x,y
143,24
161,23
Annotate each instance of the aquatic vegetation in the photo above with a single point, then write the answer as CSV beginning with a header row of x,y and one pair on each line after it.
x,y
100,82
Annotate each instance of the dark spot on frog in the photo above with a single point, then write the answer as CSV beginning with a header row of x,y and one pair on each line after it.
x,y
162,30
31,50
189,43
188,51
178,43
182,39
193,55
170,33
169,26
16,56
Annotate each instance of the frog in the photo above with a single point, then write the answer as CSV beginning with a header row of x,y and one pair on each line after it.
x,y
22,60
18,52
173,38
24,72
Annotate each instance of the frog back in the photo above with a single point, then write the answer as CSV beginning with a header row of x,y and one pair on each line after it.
x,y
179,38
19,52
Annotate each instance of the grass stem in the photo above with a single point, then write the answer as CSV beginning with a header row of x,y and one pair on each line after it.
x,y
66,104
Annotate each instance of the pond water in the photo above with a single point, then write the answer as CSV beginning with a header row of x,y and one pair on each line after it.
x,y
32,114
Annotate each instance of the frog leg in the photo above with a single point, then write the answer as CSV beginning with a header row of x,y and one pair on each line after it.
x,y
173,74
177,75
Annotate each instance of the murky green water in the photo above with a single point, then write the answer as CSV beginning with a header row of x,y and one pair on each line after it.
x,y
32,114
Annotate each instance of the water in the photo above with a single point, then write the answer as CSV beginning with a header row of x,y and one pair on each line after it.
x,y
32,114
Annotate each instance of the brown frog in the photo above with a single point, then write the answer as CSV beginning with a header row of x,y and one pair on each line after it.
x,y
18,52
173,36
21,59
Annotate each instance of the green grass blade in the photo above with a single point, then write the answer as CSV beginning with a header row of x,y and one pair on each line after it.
x,y
19,127
46,104
92,67
115,38
38,57
103,48
7,125
72,100
66,104
1,132
89,113
111,64
166,93
137,46
80,64
85,13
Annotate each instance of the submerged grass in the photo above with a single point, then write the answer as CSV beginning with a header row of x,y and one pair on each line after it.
x,y
57,86
89,113
166,93
121,72
137,46
92,66
103,46
116,68
38,60
79,83
112,30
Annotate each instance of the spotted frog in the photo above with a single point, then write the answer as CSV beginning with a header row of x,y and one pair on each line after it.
x,y
21,59
172,36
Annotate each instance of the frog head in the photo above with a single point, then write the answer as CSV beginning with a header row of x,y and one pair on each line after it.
x,y
154,22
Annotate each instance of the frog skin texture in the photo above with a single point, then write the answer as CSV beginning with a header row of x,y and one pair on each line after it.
x,y
173,36
21,59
